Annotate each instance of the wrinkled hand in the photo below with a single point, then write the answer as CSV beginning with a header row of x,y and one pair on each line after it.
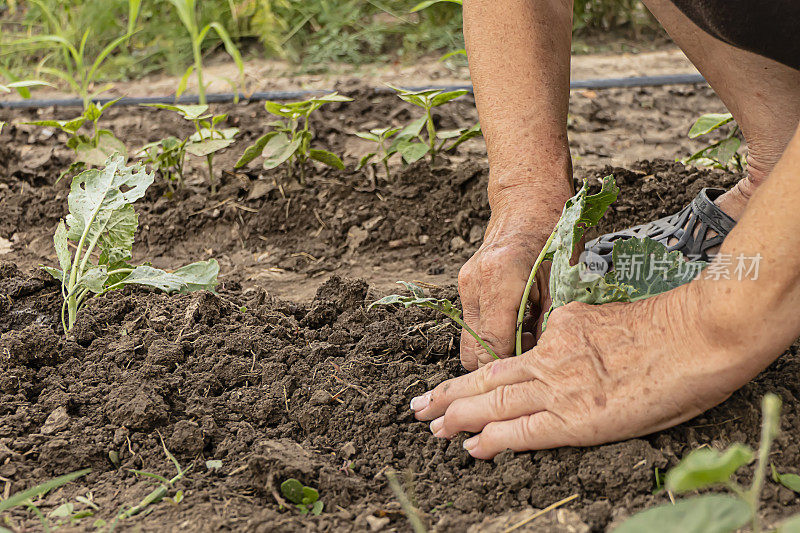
x,y
492,281
598,374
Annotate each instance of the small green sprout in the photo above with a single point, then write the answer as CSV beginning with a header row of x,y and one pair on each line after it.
x,y
306,499
704,468
206,140
720,154
380,137
444,306
90,150
166,157
410,142
101,219
290,139
27,497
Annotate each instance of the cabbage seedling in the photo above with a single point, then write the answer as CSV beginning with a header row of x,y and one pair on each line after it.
x,y
379,136
706,467
101,223
444,306
90,150
410,142
291,138
206,140
722,153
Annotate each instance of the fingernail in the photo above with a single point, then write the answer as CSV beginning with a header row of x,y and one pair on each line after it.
x,y
436,426
470,443
421,402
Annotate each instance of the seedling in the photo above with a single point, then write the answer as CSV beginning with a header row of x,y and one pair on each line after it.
x,y
27,497
444,306
720,154
660,270
206,140
166,157
81,72
90,150
380,137
410,142
101,219
706,468
291,138
188,14
306,499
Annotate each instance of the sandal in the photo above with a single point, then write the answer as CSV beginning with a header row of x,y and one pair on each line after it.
x,y
691,226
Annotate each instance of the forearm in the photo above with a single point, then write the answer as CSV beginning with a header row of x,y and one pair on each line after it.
x,y
519,54
760,314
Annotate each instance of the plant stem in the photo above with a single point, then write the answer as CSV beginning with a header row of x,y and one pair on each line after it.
x,y
198,68
431,134
770,427
523,304
478,338
210,160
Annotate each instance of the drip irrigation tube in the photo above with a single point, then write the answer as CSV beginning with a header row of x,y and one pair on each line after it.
x,y
602,83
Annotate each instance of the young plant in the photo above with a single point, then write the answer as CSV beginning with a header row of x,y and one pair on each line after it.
x,y
187,12
101,219
206,140
380,137
27,497
90,150
706,468
659,270
410,142
81,73
22,86
306,499
720,154
166,157
444,306
291,138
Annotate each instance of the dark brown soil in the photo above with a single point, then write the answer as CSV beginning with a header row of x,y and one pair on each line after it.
x,y
316,389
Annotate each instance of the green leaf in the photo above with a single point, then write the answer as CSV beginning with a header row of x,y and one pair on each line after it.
x,y
410,131
412,151
448,55
69,126
792,525
184,81
155,277
706,466
466,134
327,158
292,490
21,497
310,495
447,134
413,288
208,146
282,109
428,3
107,146
366,159
189,112
727,149
279,149
62,248
332,97
94,279
713,513
709,122
790,481
56,273
254,150
443,98
199,276
369,136
62,511
316,509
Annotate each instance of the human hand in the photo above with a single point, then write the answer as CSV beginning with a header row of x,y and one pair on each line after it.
x,y
598,374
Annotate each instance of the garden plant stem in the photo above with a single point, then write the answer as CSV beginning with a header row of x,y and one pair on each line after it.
x,y
527,291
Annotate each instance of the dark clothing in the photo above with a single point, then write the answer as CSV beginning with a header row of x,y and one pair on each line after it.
x,y
770,28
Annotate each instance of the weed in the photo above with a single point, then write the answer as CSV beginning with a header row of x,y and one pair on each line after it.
x,y
379,136
705,468
26,497
206,140
187,12
410,142
444,306
291,138
409,509
721,154
306,499
102,219
90,150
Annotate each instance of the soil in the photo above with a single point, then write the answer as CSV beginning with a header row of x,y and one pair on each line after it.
x,y
283,373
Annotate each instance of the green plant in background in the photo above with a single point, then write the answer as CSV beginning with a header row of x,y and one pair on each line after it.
x,y
380,136
90,150
27,497
206,140
22,86
660,270
428,3
101,219
187,12
166,157
721,154
79,72
444,306
306,499
410,142
706,468
290,140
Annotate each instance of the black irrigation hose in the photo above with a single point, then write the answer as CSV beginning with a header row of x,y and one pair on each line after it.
x,y
602,83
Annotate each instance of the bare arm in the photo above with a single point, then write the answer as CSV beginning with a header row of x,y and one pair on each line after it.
x,y
519,53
